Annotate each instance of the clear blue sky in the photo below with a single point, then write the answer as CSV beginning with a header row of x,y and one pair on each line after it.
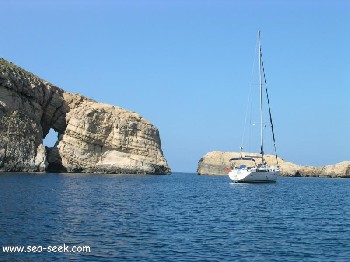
x,y
186,67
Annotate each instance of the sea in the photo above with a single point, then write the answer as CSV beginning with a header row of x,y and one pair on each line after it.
x,y
181,217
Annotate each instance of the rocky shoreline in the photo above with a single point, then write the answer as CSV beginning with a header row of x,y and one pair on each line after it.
x,y
92,137
216,162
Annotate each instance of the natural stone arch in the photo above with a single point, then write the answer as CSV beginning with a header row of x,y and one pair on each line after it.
x,y
30,106
93,137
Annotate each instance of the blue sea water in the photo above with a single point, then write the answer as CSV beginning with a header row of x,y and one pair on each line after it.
x,y
182,217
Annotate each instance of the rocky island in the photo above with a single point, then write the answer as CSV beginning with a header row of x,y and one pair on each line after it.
x,y
92,137
215,163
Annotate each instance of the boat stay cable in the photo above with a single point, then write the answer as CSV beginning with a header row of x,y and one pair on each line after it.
x,y
268,103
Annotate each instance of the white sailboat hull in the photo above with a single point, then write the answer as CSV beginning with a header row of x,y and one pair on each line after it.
x,y
253,176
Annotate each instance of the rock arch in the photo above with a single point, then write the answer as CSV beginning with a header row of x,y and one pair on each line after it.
x,y
94,137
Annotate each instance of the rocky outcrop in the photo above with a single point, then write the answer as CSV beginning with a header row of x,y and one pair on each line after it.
x,y
92,137
215,163
20,146
108,139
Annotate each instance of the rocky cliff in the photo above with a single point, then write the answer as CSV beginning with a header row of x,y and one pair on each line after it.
x,y
215,163
93,137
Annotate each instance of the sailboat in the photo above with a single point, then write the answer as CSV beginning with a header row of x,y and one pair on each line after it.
x,y
258,172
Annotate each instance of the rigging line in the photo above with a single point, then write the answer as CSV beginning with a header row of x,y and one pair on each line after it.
x,y
249,100
271,122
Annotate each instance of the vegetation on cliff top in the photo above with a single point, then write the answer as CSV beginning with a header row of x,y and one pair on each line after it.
x,y
9,66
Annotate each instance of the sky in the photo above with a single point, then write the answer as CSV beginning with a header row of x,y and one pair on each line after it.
x,y
186,66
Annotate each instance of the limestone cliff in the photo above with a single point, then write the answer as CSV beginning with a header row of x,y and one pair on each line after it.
x,y
215,163
93,137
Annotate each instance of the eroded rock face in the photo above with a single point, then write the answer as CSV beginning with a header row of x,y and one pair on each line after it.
x,y
216,162
93,137
20,147
108,139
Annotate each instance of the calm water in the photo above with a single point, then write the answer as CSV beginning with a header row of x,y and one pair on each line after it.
x,y
182,217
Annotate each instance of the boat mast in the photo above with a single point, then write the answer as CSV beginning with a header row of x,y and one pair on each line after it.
x,y
261,114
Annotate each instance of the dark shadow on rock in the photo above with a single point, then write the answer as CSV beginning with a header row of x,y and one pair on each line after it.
x,y
55,161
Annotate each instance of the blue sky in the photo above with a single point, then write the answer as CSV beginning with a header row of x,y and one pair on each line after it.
x,y
186,67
